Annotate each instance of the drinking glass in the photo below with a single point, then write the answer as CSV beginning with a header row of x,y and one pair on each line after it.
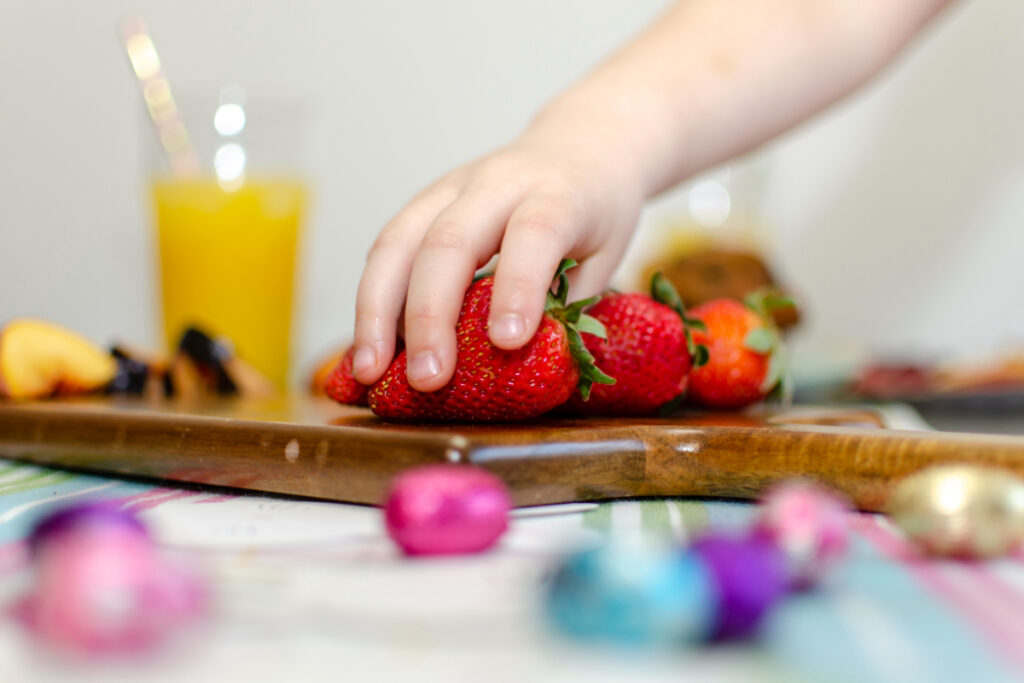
x,y
228,228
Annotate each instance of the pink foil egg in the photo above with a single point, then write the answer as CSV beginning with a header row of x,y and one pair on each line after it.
x,y
100,585
446,510
808,523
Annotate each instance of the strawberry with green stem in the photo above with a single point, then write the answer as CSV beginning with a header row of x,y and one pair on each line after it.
x,y
649,349
492,384
744,351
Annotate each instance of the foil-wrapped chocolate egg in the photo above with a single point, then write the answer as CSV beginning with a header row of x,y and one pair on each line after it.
x,y
962,511
446,509
633,592
808,523
100,586
748,578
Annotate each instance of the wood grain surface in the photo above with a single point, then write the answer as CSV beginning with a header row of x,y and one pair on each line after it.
x,y
315,448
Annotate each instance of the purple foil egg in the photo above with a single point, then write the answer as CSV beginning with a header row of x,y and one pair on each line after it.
x,y
446,509
749,575
100,586
809,525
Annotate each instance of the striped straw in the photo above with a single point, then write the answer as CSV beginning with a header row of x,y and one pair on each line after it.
x,y
156,91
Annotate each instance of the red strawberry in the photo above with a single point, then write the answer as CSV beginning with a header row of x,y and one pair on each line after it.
x,y
342,386
647,350
743,348
492,384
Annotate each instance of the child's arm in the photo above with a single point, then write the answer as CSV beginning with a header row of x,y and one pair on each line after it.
x,y
709,80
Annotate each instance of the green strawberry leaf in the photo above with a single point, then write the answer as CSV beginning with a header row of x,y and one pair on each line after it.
x,y
765,300
564,266
574,311
590,374
586,303
562,288
701,356
591,325
698,352
664,292
761,340
575,321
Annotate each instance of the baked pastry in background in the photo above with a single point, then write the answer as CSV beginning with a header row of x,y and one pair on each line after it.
x,y
714,272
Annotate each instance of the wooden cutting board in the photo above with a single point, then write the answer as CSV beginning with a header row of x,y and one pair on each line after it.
x,y
315,448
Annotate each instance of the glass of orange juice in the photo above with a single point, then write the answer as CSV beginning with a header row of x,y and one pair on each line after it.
x,y
228,232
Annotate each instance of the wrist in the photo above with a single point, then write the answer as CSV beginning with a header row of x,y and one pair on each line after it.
x,y
595,140
639,124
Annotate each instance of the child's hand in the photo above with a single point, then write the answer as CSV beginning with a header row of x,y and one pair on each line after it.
x,y
706,82
535,202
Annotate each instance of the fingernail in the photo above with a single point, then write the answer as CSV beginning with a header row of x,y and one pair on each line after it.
x,y
508,327
364,359
424,366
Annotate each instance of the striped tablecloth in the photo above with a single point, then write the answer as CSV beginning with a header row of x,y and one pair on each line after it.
x,y
314,591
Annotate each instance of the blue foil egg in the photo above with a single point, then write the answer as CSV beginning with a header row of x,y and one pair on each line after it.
x,y
635,593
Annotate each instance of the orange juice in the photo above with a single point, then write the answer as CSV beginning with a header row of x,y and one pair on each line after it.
x,y
227,263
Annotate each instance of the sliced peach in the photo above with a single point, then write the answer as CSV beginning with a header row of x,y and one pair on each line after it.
x,y
40,359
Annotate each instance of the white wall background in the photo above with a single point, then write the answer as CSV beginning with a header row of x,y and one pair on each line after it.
x,y
899,216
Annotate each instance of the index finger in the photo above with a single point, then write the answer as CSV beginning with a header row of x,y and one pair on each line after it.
x,y
385,281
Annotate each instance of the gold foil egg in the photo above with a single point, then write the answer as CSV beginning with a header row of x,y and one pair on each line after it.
x,y
960,510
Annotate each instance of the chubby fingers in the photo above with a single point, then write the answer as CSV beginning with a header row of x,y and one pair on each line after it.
x,y
540,232
461,239
385,280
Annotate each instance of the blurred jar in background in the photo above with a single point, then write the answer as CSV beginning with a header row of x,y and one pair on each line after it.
x,y
228,230
712,241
